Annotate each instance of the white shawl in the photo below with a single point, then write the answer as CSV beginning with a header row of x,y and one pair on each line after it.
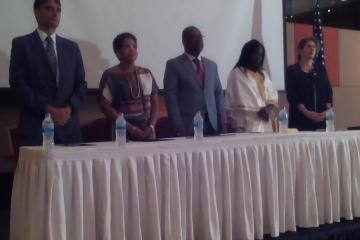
x,y
243,101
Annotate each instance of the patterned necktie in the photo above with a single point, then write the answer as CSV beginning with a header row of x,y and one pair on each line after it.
x,y
199,71
50,51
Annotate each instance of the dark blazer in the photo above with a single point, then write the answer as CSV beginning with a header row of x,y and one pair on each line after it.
x,y
312,89
185,96
34,85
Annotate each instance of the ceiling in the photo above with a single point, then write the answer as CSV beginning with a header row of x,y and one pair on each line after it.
x,y
335,13
299,6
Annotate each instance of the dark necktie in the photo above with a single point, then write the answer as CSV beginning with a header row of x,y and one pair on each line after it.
x,y
199,71
50,51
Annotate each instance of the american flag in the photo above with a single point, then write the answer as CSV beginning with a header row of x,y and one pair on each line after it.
x,y
318,34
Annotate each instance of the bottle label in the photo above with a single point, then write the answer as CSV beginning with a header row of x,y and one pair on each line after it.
x,y
198,124
48,128
283,117
120,126
329,117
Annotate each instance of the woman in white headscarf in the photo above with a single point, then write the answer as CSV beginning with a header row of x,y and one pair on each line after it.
x,y
250,96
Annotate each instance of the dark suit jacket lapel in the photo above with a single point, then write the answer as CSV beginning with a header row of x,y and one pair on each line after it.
x,y
206,71
60,56
189,68
38,47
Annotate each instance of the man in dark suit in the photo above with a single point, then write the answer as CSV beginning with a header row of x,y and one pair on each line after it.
x,y
47,76
192,84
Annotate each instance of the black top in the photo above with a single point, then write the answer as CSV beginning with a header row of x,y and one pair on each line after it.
x,y
312,89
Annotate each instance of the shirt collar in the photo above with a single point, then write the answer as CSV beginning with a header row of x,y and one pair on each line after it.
x,y
191,57
44,35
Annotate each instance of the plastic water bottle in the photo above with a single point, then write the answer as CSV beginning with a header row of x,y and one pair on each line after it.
x,y
283,121
120,130
48,132
198,127
330,120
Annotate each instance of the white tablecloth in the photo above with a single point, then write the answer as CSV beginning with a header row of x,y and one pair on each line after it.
x,y
229,187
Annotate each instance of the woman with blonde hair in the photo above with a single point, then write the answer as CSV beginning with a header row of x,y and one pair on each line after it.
x,y
308,89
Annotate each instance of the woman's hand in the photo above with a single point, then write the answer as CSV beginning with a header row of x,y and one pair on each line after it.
x,y
138,133
315,116
263,114
150,132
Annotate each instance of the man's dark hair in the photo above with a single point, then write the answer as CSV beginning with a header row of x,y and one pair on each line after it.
x,y
39,3
192,40
120,38
187,32
246,52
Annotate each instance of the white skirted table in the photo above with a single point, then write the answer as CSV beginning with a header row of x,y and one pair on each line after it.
x,y
229,187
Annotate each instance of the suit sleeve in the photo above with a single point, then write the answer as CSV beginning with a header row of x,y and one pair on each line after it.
x,y
19,81
171,85
219,95
80,86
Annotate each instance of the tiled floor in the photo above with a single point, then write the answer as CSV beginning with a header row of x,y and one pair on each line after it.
x,y
344,230
5,195
4,225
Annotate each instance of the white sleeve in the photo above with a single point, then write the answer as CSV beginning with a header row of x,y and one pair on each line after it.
x,y
271,93
107,94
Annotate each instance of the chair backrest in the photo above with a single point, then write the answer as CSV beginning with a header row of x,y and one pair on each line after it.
x,y
164,128
13,140
98,130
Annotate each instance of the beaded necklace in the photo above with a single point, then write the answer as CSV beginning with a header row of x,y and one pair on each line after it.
x,y
138,85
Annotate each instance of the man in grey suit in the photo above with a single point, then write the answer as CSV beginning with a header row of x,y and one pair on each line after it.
x,y
47,76
192,84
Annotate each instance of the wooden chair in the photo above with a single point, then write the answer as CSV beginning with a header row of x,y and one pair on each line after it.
x,y
98,130
13,141
164,128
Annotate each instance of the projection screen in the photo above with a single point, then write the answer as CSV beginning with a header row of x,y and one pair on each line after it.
x,y
226,25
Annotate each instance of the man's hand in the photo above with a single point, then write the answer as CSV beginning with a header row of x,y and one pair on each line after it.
x,y
66,111
222,128
179,130
60,116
